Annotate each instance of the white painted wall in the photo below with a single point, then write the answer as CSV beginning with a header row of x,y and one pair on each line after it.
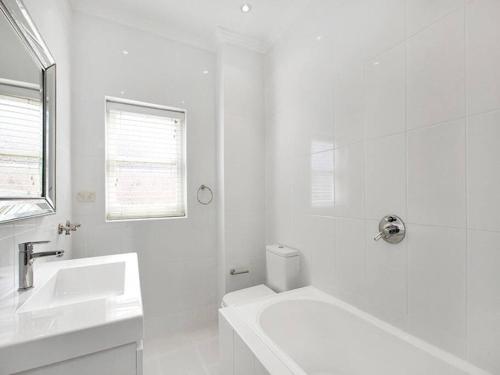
x,y
177,256
53,19
399,102
241,173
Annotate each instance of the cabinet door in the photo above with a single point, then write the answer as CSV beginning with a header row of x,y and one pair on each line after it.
x,y
117,361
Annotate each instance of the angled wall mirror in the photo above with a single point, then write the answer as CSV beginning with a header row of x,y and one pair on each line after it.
x,y
27,117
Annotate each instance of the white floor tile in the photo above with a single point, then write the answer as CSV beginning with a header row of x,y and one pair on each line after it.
x,y
186,353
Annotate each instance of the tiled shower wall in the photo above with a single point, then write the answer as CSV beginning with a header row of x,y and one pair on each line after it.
x,y
379,107
53,19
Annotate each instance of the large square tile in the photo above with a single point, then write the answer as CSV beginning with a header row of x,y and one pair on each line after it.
x,y
422,13
385,172
322,246
484,171
483,55
437,286
385,25
349,105
436,73
386,277
349,266
385,93
484,303
436,175
349,181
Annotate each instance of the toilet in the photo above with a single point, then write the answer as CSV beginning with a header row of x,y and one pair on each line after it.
x,y
282,274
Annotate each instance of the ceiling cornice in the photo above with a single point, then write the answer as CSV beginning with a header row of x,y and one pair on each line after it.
x,y
225,36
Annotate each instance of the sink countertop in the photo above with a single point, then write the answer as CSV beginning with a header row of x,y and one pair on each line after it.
x,y
42,334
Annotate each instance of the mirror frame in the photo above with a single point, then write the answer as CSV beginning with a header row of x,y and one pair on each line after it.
x,y
21,208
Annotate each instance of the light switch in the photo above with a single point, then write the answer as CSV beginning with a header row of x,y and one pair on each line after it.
x,y
86,196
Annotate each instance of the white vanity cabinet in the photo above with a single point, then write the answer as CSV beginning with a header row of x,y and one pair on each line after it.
x,y
83,317
123,360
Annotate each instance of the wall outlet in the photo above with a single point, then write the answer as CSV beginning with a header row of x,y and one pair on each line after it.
x,y
85,196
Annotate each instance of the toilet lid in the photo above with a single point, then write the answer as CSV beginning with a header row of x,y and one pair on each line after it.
x,y
247,295
282,251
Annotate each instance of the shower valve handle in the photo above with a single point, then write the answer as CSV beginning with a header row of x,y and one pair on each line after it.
x,y
391,229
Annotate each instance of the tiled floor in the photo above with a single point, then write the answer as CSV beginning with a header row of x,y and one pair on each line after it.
x,y
187,353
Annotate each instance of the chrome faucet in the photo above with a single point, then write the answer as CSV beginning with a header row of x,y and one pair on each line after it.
x,y
67,228
26,259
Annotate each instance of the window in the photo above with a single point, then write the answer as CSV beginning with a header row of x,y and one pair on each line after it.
x,y
145,161
21,143
322,175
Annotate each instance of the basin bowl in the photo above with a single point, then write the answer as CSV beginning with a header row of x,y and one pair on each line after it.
x,y
74,285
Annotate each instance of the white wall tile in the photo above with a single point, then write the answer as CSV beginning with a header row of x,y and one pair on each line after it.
x,y
349,104
322,235
484,304
386,277
349,266
436,73
437,285
349,181
422,13
385,27
483,55
436,175
483,171
411,157
385,93
386,176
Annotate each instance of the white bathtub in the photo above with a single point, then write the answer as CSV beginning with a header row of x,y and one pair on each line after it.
x,y
310,332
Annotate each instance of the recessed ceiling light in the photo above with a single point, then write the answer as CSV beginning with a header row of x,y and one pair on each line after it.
x,y
245,8
125,52
205,72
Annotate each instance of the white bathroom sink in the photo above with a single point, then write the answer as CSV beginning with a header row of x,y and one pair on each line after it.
x,y
76,307
78,284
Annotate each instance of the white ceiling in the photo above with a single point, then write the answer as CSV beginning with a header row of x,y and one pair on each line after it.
x,y
196,21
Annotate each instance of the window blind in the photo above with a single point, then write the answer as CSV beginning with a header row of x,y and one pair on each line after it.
x,y
145,162
21,146
322,179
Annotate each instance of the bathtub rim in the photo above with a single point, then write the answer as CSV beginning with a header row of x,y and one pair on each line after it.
x,y
248,316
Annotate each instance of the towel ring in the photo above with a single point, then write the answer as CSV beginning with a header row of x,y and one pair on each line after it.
x,y
201,188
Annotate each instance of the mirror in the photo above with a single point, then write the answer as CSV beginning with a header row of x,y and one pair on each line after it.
x,y
27,117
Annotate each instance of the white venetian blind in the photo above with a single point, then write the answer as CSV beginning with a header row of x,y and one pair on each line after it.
x,y
322,179
21,146
145,162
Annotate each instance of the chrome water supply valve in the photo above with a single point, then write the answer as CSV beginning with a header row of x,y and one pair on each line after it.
x,y
391,229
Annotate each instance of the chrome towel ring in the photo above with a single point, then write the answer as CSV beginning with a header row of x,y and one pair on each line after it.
x,y
202,188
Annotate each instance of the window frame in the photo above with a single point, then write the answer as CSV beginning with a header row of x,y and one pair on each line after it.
x,y
146,105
